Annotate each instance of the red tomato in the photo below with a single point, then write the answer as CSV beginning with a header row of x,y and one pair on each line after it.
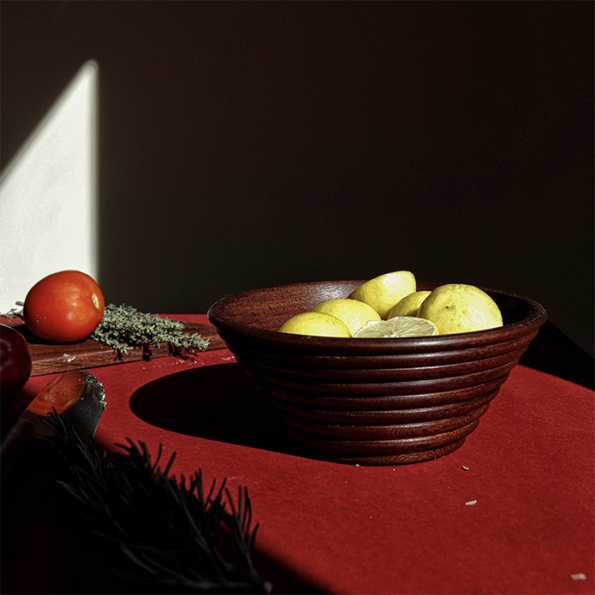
x,y
15,361
64,307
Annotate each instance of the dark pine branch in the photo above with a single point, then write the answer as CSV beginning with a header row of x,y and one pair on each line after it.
x,y
159,531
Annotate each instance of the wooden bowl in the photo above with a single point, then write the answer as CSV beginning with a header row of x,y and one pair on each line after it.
x,y
372,401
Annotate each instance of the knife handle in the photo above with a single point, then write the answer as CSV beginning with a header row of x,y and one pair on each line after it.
x,y
14,445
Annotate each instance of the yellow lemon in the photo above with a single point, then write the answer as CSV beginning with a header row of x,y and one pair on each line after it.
x,y
397,327
353,313
315,324
382,293
409,305
458,308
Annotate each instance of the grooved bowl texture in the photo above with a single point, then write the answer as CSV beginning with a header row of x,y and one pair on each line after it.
x,y
372,401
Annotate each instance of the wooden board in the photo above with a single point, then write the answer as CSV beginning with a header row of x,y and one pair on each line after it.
x,y
51,358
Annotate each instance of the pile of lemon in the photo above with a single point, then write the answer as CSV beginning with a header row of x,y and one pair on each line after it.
x,y
389,306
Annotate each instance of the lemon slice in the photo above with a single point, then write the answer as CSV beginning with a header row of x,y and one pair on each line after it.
x,y
315,324
382,293
409,305
459,308
397,328
353,313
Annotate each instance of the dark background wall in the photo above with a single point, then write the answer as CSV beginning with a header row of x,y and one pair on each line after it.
x,y
246,144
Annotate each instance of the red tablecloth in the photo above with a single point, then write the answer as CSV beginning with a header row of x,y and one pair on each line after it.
x,y
528,469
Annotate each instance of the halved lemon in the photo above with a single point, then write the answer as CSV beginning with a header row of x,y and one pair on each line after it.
x,y
398,327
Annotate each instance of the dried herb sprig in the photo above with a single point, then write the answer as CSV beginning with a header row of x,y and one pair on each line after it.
x,y
124,327
158,530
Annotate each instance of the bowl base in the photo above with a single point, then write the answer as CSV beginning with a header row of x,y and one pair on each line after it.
x,y
381,460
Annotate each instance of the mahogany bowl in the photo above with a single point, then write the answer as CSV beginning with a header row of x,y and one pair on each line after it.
x,y
372,401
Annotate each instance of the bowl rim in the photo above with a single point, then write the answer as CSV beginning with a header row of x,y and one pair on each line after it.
x,y
218,316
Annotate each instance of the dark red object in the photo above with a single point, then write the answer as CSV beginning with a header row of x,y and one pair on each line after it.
x,y
15,362
59,393
373,401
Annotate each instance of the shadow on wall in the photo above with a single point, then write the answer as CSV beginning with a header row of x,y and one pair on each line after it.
x,y
252,144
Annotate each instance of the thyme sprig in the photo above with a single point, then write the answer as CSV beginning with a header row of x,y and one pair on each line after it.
x,y
124,327
158,531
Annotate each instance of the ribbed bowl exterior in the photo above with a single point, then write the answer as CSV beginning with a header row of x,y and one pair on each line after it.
x,y
372,401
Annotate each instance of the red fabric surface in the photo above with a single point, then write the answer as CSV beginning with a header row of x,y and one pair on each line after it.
x,y
404,529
